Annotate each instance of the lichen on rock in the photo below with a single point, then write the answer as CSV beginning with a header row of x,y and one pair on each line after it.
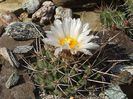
x,y
23,30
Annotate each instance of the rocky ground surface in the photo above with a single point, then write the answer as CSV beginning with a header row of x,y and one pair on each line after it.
x,y
12,37
24,88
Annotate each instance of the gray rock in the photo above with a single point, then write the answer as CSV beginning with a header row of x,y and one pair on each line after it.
x,y
6,18
115,92
22,49
24,88
9,56
12,80
31,6
45,13
23,31
91,17
61,13
120,68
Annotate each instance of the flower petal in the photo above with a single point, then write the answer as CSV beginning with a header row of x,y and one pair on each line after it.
x,y
83,34
77,29
90,45
66,26
51,35
85,27
59,28
50,42
73,25
57,51
87,39
85,51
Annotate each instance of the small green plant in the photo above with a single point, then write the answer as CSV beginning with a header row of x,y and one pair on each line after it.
x,y
129,4
112,18
129,29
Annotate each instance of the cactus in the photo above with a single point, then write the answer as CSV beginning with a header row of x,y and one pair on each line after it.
x,y
114,19
58,76
111,18
129,4
66,75
129,30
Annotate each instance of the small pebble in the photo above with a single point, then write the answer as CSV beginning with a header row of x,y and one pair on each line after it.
x,y
6,18
61,13
31,6
9,56
23,31
45,13
12,80
22,49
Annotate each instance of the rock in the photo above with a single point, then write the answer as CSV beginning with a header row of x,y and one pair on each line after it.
x,y
103,96
93,18
43,95
23,49
23,30
23,91
61,13
115,92
12,80
122,78
24,88
11,5
24,17
128,68
31,6
10,43
6,18
45,13
9,56
120,38
122,68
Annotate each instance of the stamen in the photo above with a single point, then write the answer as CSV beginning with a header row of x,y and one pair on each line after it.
x,y
70,41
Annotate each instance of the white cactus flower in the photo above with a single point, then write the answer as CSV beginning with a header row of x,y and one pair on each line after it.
x,y
72,35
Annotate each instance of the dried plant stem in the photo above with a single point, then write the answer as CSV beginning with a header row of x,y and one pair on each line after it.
x,y
38,30
114,64
28,65
101,47
118,60
105,73
101,82
61,90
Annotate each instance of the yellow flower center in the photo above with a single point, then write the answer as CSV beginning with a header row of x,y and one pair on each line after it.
x,y
70,41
